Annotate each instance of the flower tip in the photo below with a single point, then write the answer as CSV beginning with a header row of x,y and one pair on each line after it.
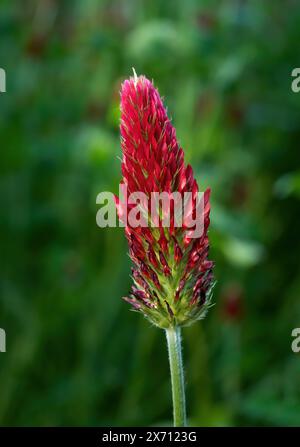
x,y
135,77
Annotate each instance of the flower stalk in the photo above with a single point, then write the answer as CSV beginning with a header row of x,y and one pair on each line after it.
x,y
177,376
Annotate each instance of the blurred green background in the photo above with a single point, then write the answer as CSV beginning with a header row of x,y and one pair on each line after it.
x,y
75,353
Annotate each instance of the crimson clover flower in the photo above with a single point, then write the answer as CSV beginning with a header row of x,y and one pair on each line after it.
x,y
172,275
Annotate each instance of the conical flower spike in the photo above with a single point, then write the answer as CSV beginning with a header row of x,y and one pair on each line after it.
x,y
172,274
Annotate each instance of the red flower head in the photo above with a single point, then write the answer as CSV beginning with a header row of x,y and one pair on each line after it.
x,y
172,274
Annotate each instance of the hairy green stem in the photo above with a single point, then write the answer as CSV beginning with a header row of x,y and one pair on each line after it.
x,y
177,377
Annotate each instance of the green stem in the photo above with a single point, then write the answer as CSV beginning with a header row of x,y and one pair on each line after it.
x,y
177,379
